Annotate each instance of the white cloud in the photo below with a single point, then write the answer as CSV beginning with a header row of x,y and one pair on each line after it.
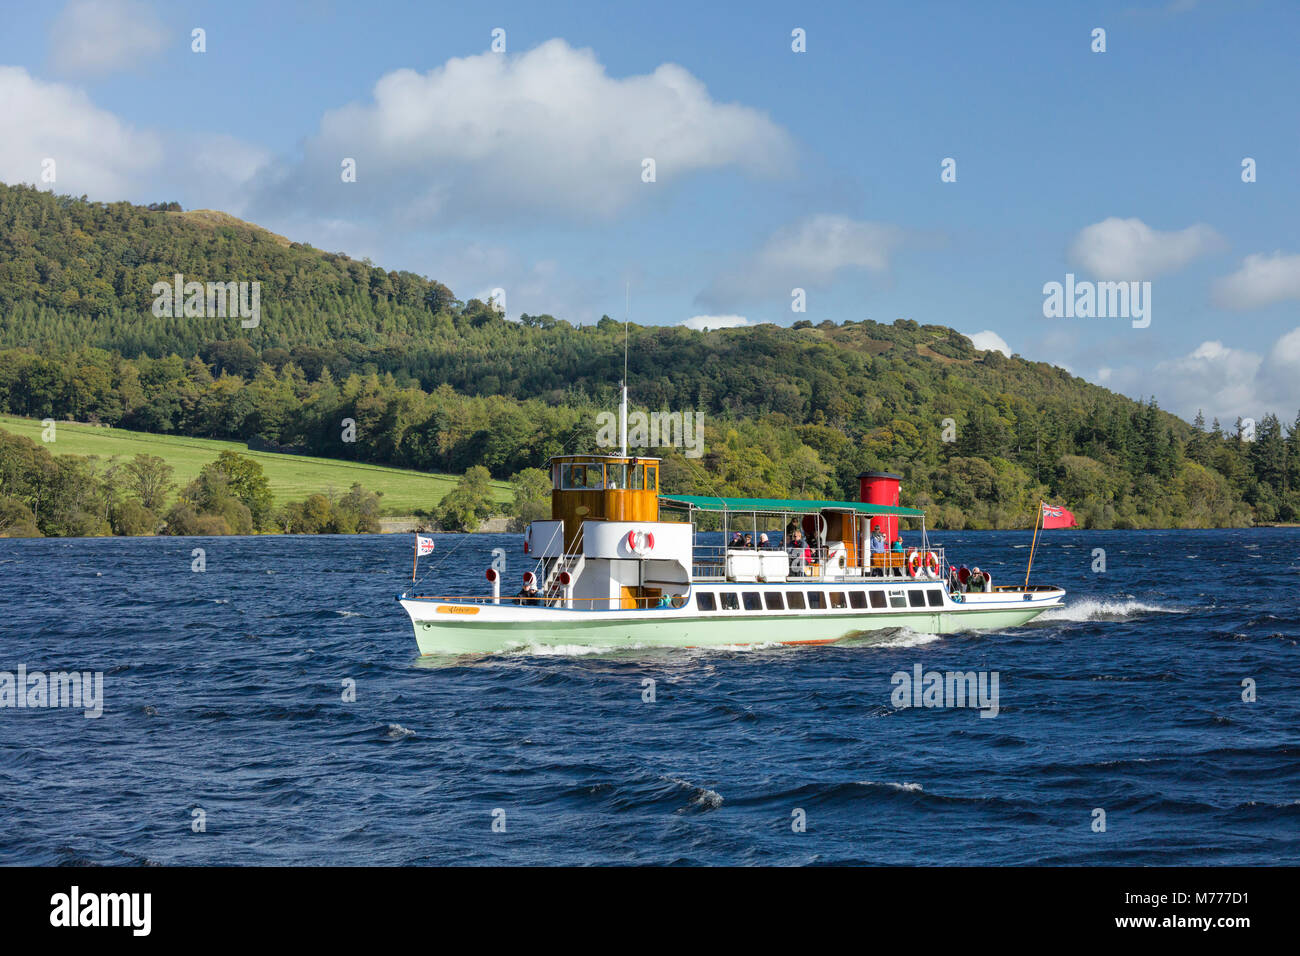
x,y
806,254
502,137
94,152
1129,249
1262,280
104,36
706,322
990,341
1223,381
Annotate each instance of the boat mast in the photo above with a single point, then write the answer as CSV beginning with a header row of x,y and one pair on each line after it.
x,y
622,407
622,422
1037,520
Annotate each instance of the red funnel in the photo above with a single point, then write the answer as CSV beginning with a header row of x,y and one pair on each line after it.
x,y
881,488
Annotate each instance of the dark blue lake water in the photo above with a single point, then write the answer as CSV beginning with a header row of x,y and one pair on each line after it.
x,y
223,692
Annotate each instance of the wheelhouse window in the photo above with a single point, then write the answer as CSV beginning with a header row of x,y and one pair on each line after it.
x,y
877,598
858,599
837,599
615,476
729,601
816,600
585,477
705,601
773,600
752,601
795,599
935,597
651,477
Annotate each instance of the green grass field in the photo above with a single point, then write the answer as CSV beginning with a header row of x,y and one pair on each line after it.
x,y
292,477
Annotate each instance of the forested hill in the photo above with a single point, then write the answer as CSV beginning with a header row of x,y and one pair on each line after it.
x,y
433,382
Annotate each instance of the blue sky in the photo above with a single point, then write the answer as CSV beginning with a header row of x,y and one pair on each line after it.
x,y
775,169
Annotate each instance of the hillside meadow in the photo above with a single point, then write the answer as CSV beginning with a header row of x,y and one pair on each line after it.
x,y
291,477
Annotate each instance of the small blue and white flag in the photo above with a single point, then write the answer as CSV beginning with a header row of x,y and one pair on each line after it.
x,y
423,545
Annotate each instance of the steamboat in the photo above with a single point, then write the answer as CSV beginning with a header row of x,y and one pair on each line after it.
x,y
621,563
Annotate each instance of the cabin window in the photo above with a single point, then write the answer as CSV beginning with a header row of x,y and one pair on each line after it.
x,y
916,598
877,598
773,600
795,598
636,477
896,598
935,596
651,477
581,477
837,599
816,600
616,476
752,601
729,601
858,599
705,602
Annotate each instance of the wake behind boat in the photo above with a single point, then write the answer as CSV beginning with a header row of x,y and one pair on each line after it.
x,y
621,564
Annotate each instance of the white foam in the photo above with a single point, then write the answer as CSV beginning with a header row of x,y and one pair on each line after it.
x,y
701,796
1092,609
569,650
905,787
906,637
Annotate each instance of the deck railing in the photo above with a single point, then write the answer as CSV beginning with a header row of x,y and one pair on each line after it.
x,y
709,563
579,604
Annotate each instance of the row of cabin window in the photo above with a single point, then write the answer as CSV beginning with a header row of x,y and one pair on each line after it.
x,y
816,600
599,477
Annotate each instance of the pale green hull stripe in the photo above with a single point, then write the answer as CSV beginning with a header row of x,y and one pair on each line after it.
x,y
468,638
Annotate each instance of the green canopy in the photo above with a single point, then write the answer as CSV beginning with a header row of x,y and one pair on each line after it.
x,y
710,503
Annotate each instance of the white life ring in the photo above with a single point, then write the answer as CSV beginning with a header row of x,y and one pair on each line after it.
x,y
932,564
913,562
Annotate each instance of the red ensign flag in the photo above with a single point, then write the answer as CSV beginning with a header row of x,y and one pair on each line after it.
x,y
1054,516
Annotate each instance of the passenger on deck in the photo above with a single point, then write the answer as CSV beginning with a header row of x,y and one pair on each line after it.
x,y
749,542
963,577
897,545
798,553
528,594
736,540
763,543
979,580
876,545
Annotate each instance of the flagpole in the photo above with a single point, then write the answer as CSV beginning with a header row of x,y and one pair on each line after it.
x,y
415,558
1037,519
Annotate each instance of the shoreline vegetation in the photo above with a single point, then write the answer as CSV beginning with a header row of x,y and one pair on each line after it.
x,y
48,495
353,363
